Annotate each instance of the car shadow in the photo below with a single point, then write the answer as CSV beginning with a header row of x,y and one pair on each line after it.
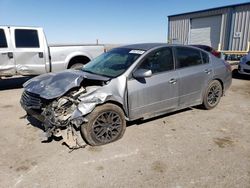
x,y
141,121
13,82
237,75
38,124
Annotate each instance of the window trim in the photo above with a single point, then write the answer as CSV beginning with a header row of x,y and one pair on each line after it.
x,y
19,47
7,46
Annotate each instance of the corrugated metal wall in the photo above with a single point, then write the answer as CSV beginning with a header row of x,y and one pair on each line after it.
x,y
179,26
224,34
234,19
240,28
179,31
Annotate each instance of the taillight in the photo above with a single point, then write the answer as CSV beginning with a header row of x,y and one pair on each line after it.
x,y
228,66
216,53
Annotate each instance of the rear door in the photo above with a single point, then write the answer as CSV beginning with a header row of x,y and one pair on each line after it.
x,y
29,49
195,71
157,93
7,63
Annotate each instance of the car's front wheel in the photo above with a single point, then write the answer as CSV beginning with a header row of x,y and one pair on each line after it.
x,y
106,124
212,95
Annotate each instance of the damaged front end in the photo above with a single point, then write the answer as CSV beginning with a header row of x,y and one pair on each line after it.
x,y
58,119
64,113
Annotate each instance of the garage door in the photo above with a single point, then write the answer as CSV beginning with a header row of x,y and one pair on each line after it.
x,y
205,31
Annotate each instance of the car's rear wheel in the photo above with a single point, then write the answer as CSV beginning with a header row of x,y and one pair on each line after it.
x,y
106,124
76,66
212,95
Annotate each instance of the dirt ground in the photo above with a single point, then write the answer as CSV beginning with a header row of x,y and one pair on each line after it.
x,y
190,148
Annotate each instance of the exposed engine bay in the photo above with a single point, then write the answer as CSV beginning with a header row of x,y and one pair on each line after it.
x,y
58,120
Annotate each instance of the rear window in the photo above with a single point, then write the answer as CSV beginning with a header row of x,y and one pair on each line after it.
x,y
3,42
26,38
206,48
187,57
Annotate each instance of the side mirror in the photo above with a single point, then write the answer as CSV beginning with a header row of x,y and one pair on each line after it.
x,y
142,73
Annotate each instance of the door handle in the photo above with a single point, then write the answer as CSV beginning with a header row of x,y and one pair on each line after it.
x,y
172,81
207,71
9,54
40,54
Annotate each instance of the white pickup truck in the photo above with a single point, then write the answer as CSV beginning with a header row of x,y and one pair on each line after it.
x,y
24,51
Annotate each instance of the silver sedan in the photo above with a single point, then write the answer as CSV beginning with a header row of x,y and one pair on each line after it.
x,y
131,82
244,66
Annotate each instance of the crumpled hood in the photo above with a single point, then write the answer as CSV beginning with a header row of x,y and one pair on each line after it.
x,y
53,85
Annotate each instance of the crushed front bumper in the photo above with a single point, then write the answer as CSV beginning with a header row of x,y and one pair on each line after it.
x,y
32,104
71,135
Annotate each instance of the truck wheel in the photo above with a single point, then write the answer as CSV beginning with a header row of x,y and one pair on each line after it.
x,y
106,124
212,95
76,66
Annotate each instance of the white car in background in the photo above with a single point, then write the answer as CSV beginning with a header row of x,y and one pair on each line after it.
x,y
244,66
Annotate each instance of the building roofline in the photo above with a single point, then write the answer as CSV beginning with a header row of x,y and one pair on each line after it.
x,y
21,26
204,10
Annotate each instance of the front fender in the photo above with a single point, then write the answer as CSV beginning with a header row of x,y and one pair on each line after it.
x,y
96,95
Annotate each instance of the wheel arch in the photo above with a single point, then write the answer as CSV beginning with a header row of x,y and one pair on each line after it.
x,y
71,57
204,90
77,59
221,82
117,104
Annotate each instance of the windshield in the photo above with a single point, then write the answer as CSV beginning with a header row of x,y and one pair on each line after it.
x,y
113,63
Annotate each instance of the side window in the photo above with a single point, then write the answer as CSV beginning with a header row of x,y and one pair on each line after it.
x,y
188,57
3,42
26,38
159,61
205,57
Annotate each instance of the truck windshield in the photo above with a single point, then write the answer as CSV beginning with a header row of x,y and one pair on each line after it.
x,y
113,63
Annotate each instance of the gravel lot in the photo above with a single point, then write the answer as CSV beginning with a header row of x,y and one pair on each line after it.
x,y
190,148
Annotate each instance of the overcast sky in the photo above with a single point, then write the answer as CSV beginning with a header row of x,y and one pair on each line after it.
x,y
110,21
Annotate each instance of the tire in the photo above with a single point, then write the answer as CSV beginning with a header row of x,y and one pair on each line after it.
x,y
212,95
76,66
99,130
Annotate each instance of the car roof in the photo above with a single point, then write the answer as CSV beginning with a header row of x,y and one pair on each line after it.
x,y
200,45
145,46
148,46
204,47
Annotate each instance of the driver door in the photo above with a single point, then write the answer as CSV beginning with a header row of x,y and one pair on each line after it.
x,y
158,93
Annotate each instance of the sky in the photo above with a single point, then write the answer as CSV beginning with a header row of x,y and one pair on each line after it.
x,y
109,21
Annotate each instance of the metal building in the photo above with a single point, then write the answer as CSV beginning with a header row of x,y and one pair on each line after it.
x,y
223,28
